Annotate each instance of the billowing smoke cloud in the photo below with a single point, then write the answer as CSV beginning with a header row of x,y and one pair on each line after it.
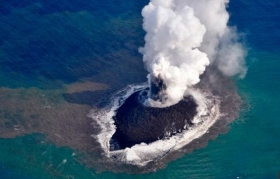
x,y
183,37
220,42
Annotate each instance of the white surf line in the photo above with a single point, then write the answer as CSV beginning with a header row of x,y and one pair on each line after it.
x,y
141,154
104,117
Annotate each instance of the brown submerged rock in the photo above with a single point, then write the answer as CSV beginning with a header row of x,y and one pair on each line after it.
x,y
137,123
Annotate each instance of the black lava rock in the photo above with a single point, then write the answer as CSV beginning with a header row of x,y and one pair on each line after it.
x,y
137,123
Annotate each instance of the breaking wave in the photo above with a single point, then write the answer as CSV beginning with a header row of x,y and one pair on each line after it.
x,y
208,112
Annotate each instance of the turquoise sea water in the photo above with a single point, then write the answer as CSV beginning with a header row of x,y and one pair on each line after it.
x,y
49,44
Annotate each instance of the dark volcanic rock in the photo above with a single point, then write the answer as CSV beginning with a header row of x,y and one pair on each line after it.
x,y
158,87
137,123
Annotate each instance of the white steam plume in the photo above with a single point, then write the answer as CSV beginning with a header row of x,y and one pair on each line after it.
x,y
183,37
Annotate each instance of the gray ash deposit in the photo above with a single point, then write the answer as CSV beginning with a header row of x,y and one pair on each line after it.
x,y
136,123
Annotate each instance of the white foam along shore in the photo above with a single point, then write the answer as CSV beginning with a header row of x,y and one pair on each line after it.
x,y
141,154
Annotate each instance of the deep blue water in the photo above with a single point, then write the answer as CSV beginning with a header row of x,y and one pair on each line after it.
x,y
46,41
47,44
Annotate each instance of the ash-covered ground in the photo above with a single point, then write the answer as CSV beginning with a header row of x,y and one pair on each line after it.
x,y
137,123
212,82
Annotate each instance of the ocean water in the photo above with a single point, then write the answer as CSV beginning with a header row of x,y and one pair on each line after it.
x,y
49,50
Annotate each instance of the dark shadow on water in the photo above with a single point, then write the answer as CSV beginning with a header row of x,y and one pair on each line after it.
x,y
96,98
